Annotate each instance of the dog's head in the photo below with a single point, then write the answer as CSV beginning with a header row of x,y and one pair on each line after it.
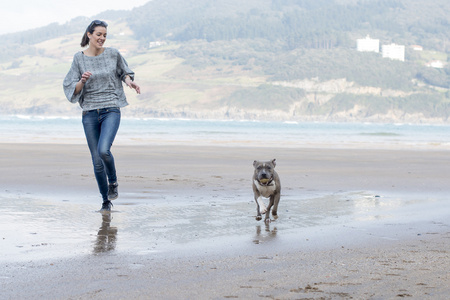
x,y
264,171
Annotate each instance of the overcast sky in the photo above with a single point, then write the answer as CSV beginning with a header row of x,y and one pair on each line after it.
x,y
19,15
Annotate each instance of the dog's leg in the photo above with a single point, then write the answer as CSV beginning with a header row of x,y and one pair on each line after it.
x,y
258,214
275,204
262,207
267,218
258,211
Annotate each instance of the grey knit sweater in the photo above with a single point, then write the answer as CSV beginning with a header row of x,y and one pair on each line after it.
x,y
104,88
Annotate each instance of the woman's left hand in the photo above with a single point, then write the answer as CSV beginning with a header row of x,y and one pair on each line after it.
x,y
133,85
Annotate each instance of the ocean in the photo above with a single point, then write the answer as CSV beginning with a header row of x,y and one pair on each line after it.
x,y
66,130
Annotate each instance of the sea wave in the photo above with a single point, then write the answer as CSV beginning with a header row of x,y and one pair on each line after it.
x,y
63,129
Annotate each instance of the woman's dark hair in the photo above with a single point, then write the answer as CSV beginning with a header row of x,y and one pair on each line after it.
x,y
90,29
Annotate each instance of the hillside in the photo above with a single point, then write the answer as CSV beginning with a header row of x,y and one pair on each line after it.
x,y
259,59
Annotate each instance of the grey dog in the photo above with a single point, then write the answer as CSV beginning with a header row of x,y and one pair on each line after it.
x,y
266,183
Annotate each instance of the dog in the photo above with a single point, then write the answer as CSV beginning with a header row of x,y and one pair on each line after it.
x,y
266,183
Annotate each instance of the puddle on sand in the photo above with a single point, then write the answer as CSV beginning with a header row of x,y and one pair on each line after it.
x,y
41,228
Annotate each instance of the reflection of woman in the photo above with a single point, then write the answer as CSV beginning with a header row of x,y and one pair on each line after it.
x,y
106,237
95,82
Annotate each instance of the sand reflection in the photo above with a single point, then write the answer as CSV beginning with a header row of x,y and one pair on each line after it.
x,y
107,235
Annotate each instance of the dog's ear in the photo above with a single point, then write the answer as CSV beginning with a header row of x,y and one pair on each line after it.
x,y
254,163
274,163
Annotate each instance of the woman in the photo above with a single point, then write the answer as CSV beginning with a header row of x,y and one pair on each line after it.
x,y
95,82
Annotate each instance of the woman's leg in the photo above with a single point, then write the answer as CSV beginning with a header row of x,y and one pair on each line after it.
x,y
110,121
92,130
109,125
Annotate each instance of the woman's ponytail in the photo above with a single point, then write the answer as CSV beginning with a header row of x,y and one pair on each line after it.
x,y
84,39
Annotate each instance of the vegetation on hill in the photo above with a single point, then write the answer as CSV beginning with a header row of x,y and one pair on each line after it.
x,y
295,23
257,55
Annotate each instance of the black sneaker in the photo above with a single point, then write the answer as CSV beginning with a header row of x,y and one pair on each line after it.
x,y
106,206
113,194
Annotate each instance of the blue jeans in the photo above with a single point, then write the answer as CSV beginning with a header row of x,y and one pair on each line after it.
x,y
100,128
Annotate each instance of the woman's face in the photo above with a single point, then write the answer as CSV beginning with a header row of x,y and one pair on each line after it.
x,y
98,37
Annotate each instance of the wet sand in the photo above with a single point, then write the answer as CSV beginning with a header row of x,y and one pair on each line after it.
x,y
353,223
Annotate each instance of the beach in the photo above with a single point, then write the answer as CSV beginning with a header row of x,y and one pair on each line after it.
x,y
354,223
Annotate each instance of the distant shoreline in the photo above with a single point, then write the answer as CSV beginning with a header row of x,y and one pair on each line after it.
x,y
247,116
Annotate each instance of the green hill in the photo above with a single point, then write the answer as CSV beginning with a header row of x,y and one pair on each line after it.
x,y
276,59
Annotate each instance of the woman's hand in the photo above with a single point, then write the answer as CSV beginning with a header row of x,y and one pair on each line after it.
x,y
79,86
85,76
132,85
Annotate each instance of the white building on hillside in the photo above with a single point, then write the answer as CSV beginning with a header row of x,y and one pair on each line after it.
x,y
368,45
417,48
435,64
393,51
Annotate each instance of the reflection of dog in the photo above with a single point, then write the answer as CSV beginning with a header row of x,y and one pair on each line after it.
x,y
266,236
266,183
